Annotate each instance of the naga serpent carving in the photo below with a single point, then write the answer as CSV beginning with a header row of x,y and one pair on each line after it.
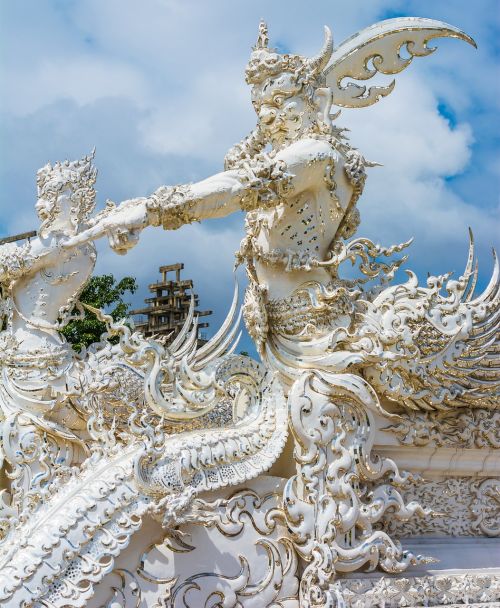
x,y
95,441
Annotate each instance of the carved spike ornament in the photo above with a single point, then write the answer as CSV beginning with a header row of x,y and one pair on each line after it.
x,y
176,441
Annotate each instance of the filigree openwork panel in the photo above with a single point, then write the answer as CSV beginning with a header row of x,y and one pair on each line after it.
x,y
236,551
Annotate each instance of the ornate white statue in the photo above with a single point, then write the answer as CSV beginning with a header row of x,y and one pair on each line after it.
x,y
41,283
162,426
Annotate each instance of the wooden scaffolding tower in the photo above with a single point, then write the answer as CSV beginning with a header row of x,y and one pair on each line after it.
x,y
167,310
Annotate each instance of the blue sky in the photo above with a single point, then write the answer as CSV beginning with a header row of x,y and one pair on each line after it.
x,y
157,86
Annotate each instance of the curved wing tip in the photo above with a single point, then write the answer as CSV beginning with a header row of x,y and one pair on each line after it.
x,y
463,36
437,23
470,40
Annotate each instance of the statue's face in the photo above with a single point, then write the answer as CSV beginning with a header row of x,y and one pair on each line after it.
x,y
54,205
283,108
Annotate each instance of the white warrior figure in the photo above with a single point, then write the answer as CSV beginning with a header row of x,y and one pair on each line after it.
x,y
41,282
299,180
63,414
335,344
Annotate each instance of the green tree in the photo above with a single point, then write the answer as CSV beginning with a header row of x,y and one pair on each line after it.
x,y
106,293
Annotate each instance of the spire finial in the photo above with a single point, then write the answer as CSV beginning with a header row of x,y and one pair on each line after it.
x,y
263,38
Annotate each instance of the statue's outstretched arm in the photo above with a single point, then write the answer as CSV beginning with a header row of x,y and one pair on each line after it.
x,y
257,183
261,182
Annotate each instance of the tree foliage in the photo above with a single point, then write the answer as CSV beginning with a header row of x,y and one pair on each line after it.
x,y
106,293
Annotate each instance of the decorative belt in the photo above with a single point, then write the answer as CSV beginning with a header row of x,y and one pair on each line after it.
x,y
313,308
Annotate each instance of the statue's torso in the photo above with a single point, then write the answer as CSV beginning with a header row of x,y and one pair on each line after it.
x,y
34,356
43,298
292,238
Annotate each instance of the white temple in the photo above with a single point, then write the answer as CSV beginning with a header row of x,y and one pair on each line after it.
x,y
356,464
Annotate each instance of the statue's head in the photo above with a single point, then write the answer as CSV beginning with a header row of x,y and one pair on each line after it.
x,y
288,91
66,194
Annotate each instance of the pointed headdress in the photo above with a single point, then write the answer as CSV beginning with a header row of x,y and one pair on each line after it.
x,y
266,62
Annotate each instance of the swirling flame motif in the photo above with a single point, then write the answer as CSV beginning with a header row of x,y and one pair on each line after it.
x,y
200,590
337,496
441,350
177,383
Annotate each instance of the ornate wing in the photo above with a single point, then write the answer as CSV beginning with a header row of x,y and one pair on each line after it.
x,y
387,47
438,345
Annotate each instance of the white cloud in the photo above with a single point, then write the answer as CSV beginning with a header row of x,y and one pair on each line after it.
x,y
205,121
409,195
81,79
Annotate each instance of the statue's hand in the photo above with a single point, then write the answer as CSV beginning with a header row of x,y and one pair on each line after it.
x,y
121,240
265,180
122,225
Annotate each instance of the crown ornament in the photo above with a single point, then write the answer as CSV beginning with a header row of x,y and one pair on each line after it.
x,y
266,62
79,175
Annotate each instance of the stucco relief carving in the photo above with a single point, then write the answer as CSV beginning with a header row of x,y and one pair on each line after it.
x,y
462,506
251,561
446,590
478,428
